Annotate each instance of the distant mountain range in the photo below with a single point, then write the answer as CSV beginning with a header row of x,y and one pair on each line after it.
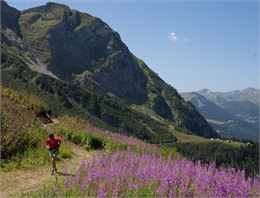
x,y
232,114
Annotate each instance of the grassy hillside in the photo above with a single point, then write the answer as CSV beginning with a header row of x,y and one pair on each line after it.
x,y
64,98
136,169
142,169
22,132
16,123
107,111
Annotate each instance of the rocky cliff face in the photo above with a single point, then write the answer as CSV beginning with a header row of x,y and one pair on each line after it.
x,y
9,18
81,49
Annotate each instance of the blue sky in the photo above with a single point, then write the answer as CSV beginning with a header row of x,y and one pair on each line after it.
x,y
190,44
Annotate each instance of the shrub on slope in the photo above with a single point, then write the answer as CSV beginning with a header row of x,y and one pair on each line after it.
x,y
82,133
18,119
22,133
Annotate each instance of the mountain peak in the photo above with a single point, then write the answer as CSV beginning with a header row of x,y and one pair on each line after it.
x,y
57,8
3,3
204,91
250,89
55,4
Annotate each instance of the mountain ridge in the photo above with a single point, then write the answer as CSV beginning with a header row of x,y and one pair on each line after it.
x,y
238,95
82,50
232,114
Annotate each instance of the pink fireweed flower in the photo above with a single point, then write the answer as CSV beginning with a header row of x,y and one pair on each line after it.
x,y
102,192
119,173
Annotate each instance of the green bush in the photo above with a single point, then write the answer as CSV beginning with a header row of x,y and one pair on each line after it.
x,y
96,142
169,152
87,140
77,138
111,145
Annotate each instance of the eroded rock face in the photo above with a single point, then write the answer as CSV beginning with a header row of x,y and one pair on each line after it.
x,y
71,43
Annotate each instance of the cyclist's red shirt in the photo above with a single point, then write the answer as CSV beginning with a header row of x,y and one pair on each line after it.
x,y
53,143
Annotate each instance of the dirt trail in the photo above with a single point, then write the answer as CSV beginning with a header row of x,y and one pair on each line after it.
x,y
14,183
54,121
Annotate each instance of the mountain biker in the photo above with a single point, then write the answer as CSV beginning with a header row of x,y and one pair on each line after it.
x,y
53,144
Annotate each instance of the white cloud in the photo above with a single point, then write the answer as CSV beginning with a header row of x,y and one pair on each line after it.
x,y
173,37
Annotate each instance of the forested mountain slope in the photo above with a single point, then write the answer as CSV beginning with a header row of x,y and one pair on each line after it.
x,y
82,53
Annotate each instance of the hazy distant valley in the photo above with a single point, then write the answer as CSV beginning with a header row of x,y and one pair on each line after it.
x,y
232,114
